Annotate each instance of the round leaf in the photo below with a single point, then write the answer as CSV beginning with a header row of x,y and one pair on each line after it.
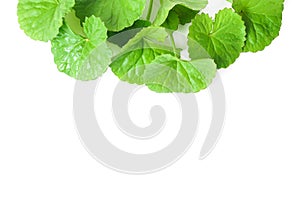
x,y
41,19
262,20
141,50
168,73
80,57
221,39
116,14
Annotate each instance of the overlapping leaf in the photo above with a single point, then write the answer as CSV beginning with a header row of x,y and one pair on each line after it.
x,y
116,14
138,52
221,39
141,40
262,19
122,37
168,73
146,59
179,15
185,14
41,19
172,21
167,5
84,58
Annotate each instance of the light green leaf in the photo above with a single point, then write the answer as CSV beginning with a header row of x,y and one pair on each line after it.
x,y
41,19
139,51
74,23
83,58
192,4
221,39
170,74
262,20
167,5
116,14
115,49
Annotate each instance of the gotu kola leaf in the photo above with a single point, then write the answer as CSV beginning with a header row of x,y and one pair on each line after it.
x,y
147,59
121,38
168,73
172,21
262,20
83,58
167,5
141,50
185,14
221,39
116,14
41,19
179,15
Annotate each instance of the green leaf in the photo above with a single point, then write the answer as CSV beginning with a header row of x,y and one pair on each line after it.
x,y
41,19
179,15
192,4
167,5
172,21
170,74
185,14
139,51
262,20
115,49
221,39
83,58
139,24
74,23
116,14
122,37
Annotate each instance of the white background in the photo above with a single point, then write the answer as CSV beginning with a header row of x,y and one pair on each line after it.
x,y
258,156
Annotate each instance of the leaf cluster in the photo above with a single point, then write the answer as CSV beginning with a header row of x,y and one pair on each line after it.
x,y
135,38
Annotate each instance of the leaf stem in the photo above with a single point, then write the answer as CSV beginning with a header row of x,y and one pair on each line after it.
x,y
150,10
173,43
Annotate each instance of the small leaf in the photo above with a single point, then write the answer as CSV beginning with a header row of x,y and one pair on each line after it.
x,y
172,21
179,15
41,19
83,58
262,20
122,37
222,39
185,14
116,14
74,23
167,5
